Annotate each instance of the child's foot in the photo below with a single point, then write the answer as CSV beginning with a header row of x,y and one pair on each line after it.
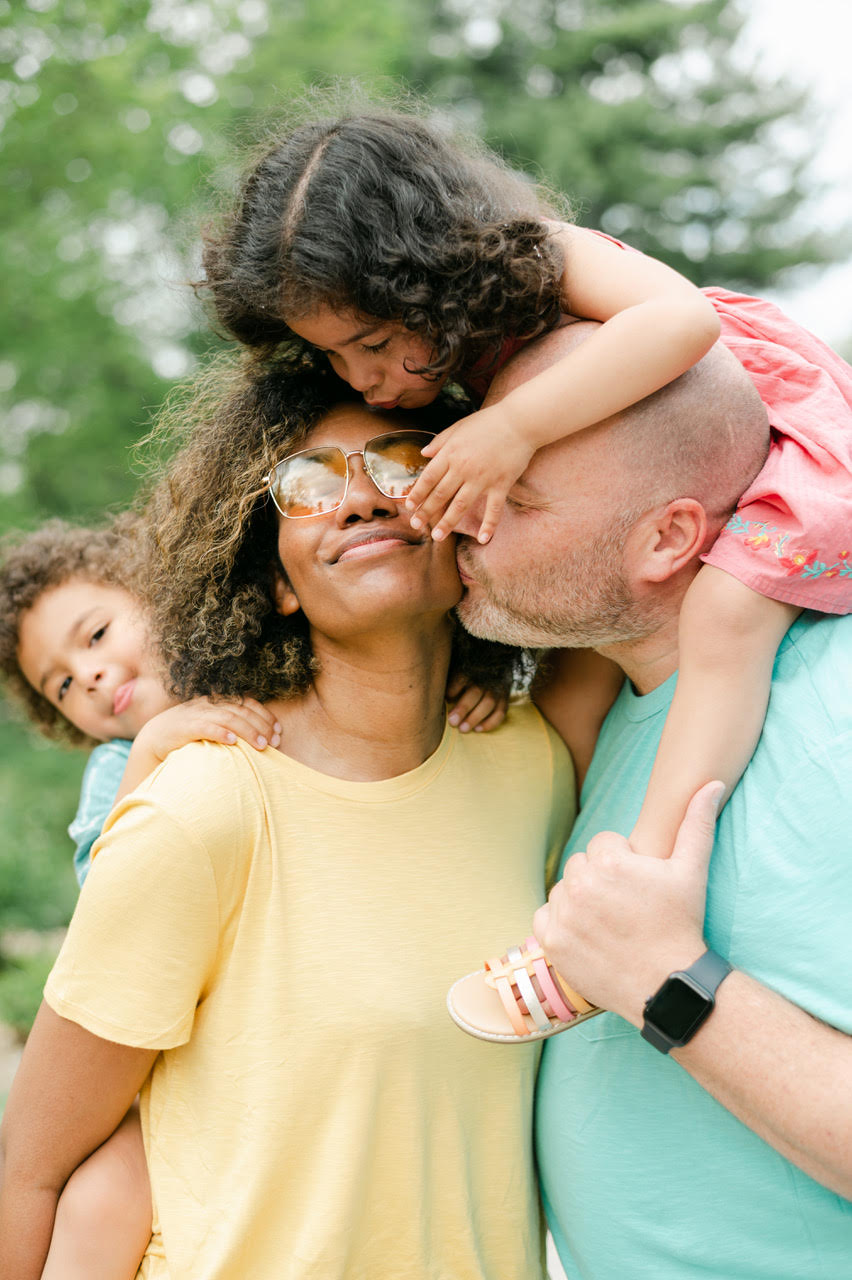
x,y
516,999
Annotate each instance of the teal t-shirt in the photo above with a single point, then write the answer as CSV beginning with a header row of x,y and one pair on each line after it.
x,y
645,1176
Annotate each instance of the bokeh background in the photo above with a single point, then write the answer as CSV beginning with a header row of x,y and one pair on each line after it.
x,y
713,134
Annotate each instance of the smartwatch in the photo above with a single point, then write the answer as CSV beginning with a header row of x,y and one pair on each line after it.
x,y
674,1013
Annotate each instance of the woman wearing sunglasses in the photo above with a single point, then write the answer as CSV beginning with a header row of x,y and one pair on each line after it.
x,y
268,937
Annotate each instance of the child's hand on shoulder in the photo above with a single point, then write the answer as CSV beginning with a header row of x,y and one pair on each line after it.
x,y
475,708
483,454
203,719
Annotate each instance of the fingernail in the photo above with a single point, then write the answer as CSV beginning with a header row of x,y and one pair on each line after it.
x,y
261,741
409,505
277,727
453,719
464,728
437,535
416,522
230,737
483,538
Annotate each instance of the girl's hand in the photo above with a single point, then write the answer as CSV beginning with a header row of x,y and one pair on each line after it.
x,y
203,719
482,454
475,708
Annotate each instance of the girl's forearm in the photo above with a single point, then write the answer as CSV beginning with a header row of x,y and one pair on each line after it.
x,y
636,352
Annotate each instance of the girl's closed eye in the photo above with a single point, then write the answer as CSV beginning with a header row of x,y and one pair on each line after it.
x,y
377,346
98,634
63,688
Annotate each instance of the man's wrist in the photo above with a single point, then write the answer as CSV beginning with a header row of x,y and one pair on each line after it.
x,y
683,1002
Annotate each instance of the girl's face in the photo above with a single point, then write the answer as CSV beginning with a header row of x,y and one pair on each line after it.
x,y
373,356
84,646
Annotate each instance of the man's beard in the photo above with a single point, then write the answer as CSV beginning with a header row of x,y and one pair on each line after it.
x,y
580,601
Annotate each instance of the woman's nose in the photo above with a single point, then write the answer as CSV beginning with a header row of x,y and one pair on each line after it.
x,y
363,499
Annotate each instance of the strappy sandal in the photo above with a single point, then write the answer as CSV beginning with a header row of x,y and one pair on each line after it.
x,y
499,1003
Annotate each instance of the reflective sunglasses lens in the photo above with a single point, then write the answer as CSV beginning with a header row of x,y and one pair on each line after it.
x,y
395,461
309,483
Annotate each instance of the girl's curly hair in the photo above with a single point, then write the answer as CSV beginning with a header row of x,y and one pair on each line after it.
x,y
37,562
382,213
214,531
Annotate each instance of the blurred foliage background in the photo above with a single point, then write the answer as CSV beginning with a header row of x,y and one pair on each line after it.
x,y
120,120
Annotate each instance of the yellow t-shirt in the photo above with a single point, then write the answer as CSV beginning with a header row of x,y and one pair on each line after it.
x,y
287,940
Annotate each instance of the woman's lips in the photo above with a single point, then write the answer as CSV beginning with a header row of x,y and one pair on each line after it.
x,y
376,546
123,697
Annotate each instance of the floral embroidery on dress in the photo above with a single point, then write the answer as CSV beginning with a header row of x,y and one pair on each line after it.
x,y
762,536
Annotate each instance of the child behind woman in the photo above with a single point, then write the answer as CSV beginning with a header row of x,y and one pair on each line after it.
x,y
75,650
409,259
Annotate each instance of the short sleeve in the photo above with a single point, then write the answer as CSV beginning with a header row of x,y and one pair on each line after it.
x,y
145,933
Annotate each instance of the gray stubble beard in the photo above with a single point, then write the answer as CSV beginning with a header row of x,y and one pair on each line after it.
x,y
583,602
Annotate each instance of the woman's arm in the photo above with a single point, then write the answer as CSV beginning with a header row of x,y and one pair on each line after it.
x,y
70,1093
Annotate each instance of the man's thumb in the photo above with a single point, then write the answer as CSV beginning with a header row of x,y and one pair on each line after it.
x,y
698,829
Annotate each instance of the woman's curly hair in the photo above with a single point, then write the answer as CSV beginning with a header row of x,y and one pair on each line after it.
x,y
34,563
213,527
380,212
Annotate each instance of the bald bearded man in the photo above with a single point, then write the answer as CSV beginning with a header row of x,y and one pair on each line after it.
x,y
729,1157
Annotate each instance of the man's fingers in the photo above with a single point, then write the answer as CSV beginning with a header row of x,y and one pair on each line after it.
x,y
697,831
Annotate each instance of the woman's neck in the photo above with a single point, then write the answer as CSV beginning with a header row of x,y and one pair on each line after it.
x,y
376,707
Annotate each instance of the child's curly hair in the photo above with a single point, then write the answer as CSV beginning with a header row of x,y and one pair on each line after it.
x,y
382,213
212,576
37,562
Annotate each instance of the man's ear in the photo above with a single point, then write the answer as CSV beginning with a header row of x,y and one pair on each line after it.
x,y
286,601
669,539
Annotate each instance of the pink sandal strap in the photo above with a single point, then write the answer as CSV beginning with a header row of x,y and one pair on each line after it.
x,y
558,1003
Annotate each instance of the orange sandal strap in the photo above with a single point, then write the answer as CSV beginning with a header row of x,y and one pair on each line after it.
x,y
497,979
512,980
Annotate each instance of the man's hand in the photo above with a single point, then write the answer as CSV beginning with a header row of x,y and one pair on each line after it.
x,y
618,923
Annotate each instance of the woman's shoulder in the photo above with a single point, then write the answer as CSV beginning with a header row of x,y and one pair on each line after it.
x,y
525,733
206,786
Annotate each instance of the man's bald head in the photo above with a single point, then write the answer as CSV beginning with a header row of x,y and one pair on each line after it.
x,y
584,553
704,436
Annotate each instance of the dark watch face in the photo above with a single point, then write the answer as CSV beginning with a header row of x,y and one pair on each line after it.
x,y
676,1008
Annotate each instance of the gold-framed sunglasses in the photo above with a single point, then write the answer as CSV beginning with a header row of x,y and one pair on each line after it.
x,y
314,482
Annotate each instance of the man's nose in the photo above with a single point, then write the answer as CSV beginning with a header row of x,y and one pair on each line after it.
x,y
469,524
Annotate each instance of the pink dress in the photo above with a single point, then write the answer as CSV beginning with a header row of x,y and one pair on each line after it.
x,y
791,535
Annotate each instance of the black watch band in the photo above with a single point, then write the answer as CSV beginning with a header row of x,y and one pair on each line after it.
x,y
685,1000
